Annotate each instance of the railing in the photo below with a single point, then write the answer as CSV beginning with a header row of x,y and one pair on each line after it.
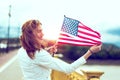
x,y
87,75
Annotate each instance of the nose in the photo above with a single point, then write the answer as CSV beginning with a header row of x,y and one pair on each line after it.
x,y
42,34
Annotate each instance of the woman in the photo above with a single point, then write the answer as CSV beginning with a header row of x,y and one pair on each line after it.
x,y
36,62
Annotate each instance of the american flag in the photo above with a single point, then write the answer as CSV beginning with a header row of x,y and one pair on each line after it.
x,y
76,33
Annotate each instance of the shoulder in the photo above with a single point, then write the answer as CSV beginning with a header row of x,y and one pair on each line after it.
x,y
21,50
41,52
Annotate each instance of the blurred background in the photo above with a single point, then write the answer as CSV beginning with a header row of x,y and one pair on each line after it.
x,y
100,15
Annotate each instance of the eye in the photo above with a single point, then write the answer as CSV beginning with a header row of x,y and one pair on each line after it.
x,y
39,31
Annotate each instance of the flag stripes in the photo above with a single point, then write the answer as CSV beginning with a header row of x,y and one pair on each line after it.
x,y
85,36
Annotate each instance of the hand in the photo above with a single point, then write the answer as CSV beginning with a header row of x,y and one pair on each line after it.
x,y
95,48
52,49
92,50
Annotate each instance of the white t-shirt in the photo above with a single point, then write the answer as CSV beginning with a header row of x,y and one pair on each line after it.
x,y
40,67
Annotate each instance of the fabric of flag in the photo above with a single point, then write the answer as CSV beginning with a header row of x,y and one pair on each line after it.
x,y
75,33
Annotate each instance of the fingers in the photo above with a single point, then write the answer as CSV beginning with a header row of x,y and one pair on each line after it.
x,y
96,48
53,49
100,46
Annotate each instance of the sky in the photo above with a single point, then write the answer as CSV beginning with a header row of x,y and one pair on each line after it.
x,y
101,15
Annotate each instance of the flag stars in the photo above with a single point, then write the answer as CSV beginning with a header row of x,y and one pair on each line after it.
x,y
70,26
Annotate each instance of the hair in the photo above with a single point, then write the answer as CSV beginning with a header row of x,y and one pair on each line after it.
x,y
28,39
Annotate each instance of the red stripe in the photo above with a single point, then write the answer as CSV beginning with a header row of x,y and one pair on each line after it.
x,y
88,38
89,29
81,32
76,44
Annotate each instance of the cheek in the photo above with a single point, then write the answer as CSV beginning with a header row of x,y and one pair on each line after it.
x,y
40,35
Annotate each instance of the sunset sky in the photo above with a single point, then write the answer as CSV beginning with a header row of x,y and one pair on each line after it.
x,y
100,15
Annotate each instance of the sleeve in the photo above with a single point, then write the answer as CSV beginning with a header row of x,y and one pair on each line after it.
x,y
46,60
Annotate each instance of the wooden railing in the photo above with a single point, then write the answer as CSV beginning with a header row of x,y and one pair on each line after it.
x,y
87,75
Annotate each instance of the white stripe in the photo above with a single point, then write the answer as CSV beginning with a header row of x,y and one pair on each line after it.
x,y
90,37
8,63
73,42
87,31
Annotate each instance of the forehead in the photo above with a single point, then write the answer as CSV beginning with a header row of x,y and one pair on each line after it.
x,y
39,27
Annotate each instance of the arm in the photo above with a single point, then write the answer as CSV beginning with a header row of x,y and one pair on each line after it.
x,y
91,51
46,60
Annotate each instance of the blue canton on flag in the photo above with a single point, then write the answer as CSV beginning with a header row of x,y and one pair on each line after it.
x,y
70,26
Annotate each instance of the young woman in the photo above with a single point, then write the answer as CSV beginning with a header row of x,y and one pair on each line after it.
x,y
36,62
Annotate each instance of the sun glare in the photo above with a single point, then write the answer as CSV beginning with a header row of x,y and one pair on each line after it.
x,y
51,34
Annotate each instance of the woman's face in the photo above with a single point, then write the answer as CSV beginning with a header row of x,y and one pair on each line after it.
x,y
38,32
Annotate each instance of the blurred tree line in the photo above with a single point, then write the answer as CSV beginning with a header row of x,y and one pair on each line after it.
x,y
109,51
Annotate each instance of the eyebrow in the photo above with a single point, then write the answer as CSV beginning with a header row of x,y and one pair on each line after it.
x,y
39,29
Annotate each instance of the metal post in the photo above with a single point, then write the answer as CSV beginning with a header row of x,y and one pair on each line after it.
x,y
9,16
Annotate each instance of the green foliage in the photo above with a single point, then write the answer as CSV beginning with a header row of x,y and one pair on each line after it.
x,y
108,51
115,53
